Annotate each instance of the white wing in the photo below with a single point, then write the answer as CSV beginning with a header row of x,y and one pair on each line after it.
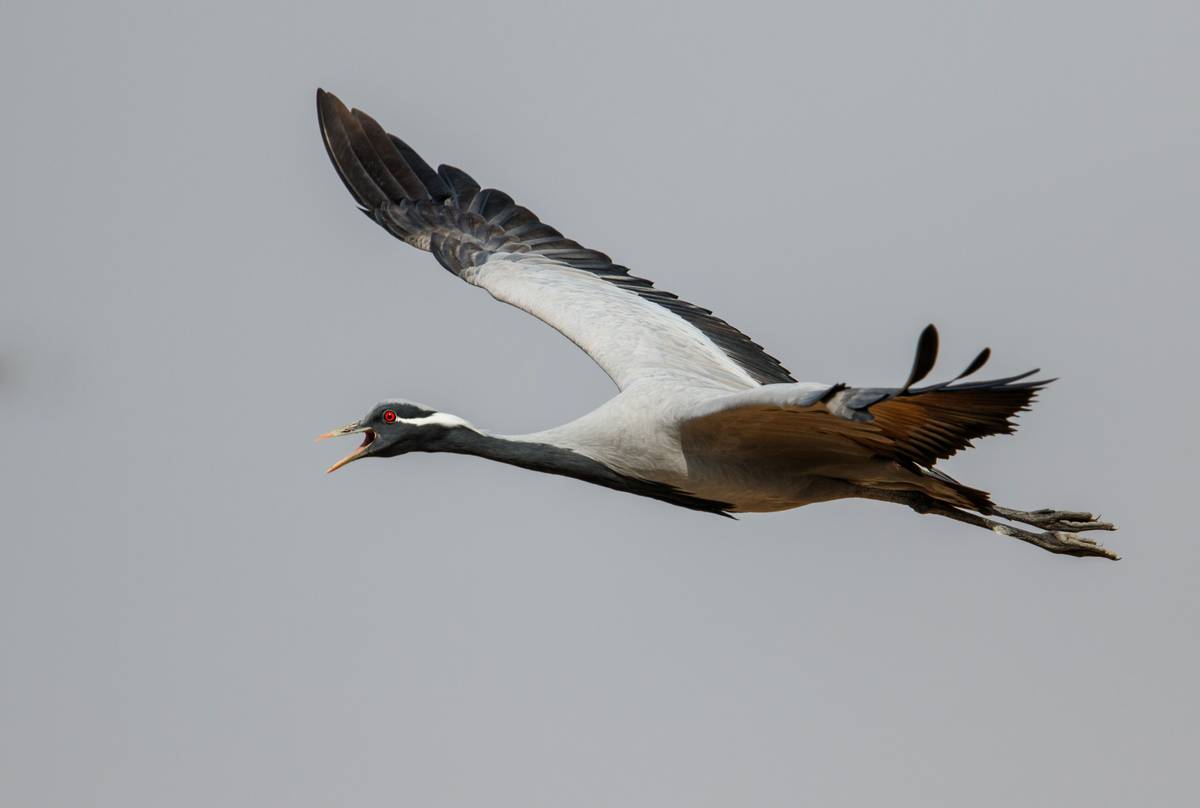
x,y
632,330
630,337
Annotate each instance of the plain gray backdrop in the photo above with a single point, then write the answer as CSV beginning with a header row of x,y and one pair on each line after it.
x,y
193,614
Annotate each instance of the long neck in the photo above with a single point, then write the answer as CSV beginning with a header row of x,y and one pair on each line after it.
x,y
552,459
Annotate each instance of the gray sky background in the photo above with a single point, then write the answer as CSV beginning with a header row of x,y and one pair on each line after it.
x,y
192,614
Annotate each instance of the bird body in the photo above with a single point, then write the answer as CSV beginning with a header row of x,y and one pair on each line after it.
x,y
643,434
704,417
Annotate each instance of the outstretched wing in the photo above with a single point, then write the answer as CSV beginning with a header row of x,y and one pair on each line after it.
x,y
632,330
914,426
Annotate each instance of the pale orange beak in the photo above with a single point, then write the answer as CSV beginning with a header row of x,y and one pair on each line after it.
x,y
350,429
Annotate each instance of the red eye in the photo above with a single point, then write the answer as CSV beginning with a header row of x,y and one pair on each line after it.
x,y
389,416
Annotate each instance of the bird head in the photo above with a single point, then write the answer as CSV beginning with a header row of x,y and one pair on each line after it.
x,y
394,428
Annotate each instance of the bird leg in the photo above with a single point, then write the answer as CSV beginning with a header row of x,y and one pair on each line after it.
x,y
1058,539
1050,519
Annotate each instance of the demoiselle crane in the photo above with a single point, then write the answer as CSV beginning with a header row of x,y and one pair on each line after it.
x,y
705,418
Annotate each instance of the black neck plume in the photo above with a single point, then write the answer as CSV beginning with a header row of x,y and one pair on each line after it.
x,y
553,459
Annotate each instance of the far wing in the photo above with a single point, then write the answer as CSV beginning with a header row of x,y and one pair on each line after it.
x,y
632,330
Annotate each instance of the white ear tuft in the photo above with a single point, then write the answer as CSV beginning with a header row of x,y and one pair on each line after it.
x,y
437,419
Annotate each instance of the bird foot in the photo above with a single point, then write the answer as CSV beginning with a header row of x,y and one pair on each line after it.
x,y
1058,541
1062,529
1056,521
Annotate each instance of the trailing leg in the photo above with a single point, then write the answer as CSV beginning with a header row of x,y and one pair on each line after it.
x,y
1055,540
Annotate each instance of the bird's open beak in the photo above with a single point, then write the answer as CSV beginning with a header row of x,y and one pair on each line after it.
x,y
350,429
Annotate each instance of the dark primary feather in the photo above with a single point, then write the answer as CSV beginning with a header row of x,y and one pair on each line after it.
x,y
448,213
